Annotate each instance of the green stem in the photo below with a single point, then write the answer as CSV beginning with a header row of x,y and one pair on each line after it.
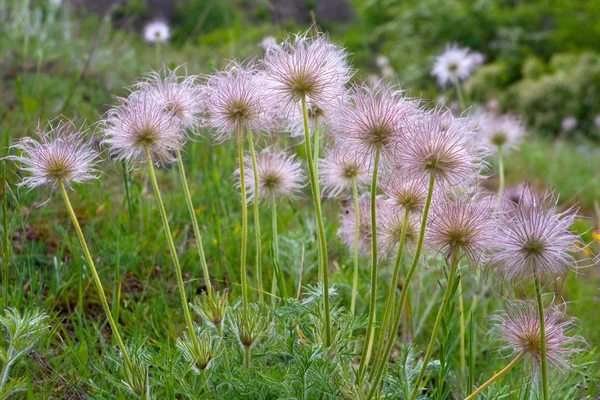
x,y
500,175
277,274
355,248
127,191
225,358
243,271
364,361
172,249
322,241
398,316
317,187
461,325
191,209
496,377
391,294
259,273
460,94
247,357
438,320
5,236
538,292
97,280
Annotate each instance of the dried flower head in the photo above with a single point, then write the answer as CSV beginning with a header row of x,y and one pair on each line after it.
x,y
211,308
373,118
455,64
403,192
463,224
501,131
236,100
339,167
533,237
139,124
179,94
250,328
157,32
62,154
304,66
390,222
279,175
520,329
440,145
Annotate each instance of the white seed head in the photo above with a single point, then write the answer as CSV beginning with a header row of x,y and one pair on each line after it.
x,y
157,32
455,64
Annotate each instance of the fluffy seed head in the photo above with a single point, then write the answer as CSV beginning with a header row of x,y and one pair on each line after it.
x,y
533,237
62,154
441,145
279,176
138,123
179,94
339,166
520,329
455,64
404,192
236,100
305,66
390,221
157,31
373,118
500,131
463,224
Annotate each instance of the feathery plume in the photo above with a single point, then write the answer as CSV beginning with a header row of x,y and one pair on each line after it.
x,y
500,131
455,64
179,94
389,229
404,193
279,176
533,237
62,154
339,167
138,123
519,327
157,31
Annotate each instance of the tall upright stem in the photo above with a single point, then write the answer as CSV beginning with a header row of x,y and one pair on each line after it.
x,y
460,94
500,174
317,187
438,320
97,281
243,272
496,377
355,248
383,332
540,301
398,316
172,249
461,327
192,210
322,241
257,234
5,236
127,191
364,361
277,274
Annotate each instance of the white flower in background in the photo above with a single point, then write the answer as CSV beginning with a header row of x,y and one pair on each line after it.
x,y
500,131
597,121
157,31
267,42
382,61
455,64
568,124
55,3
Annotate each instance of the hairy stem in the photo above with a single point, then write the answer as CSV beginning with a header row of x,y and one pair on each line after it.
x,y
461,327
190,205
438,320
243,271
391,295
398,316
460,94
540,301
277,274
322,241
373,300
97,280
355,248
500,175
127,190
257,233
496,377
172,249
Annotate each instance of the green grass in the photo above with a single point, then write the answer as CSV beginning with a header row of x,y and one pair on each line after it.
x,y
47,267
